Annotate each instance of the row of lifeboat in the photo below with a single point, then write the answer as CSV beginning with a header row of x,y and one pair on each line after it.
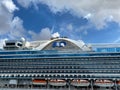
x,y
54,82
75,82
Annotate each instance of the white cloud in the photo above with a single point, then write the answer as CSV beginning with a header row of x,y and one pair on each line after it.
x,y
88,16
28,3
17,29
9,5
44,34
55,35
99,12
25,3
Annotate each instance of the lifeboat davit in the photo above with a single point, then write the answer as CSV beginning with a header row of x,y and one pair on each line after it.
x,y
57,82
39,82
78,82
104,83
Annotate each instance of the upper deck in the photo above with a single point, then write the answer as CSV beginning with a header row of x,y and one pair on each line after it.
x,y
60,58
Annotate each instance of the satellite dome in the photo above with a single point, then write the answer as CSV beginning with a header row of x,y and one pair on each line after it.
x,y
22,38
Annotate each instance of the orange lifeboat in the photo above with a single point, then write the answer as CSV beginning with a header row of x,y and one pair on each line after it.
x,y
57,82
104,83
78,82
118,83
39,82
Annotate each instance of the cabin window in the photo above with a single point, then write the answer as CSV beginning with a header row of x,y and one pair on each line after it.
x,y
10,44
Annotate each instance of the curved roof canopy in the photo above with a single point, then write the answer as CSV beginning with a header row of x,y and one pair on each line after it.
x,y
60,44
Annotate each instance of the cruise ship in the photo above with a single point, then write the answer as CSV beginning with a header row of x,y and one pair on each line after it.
x,y
59,63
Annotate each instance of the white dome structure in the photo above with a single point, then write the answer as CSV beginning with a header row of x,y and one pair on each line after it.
x,y
59,44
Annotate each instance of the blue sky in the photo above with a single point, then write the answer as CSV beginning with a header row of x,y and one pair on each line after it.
x,y
93,22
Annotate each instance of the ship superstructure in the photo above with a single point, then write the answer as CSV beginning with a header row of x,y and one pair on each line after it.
x,y
59,62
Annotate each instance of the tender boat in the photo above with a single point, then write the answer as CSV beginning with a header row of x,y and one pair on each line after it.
x,y
118,83
104,83
57,82
79,82
39,82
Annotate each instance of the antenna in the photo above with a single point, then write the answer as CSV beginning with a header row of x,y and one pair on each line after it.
x,y
52,29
